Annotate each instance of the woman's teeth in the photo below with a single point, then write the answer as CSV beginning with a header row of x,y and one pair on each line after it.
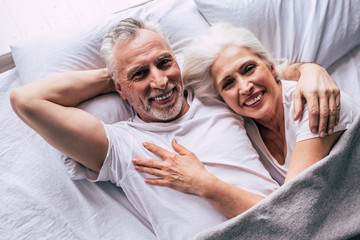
x,y
164,97
254,100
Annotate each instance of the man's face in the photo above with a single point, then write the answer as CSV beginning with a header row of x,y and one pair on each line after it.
x,y
149,77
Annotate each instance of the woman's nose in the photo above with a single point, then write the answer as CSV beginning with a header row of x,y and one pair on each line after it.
x,y
245,87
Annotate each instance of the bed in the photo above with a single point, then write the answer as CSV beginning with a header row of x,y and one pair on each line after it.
x,y
42,199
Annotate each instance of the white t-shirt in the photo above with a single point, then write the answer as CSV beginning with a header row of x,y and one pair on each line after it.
x,y
215,135
295,131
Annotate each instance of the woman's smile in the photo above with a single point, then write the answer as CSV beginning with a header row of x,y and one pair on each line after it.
x,y
254,100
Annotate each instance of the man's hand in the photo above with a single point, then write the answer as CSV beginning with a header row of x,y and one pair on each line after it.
x,y
321,93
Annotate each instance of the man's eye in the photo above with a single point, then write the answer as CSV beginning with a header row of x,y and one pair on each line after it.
x,y
139,75
164,63
228,84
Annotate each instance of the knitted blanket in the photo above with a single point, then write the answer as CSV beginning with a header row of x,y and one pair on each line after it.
x,y
323,202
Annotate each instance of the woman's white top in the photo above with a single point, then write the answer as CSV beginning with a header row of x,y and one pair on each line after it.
x,y
295,131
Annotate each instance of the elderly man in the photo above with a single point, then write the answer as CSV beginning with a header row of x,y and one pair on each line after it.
x,y
143,70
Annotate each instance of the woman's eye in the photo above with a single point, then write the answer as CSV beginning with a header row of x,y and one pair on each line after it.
x,y
249,68
228,84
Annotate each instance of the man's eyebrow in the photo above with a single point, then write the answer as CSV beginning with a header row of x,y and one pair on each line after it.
x,y
135,70
164,56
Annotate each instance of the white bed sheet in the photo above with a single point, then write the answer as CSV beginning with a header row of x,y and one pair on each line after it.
x,y
39,201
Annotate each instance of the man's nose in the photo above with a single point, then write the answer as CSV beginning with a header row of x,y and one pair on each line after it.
x,y
158,80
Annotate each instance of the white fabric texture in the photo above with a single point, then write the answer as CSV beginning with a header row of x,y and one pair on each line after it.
x,y
295,131
231,158
301,31
38,201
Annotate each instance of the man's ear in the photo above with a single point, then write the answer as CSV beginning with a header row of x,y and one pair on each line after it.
x,y
119,90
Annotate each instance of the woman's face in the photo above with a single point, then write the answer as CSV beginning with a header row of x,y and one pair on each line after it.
x,y
246,82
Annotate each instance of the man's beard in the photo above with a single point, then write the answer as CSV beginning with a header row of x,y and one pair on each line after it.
x,y
169,112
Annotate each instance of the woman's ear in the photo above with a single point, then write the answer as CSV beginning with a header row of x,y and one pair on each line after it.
x,y
272,69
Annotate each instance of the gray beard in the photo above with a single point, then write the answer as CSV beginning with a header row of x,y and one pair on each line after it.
x,y
169,112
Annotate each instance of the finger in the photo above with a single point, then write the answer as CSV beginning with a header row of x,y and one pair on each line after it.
x,y
152,171
298,105
180,149
337,106
324,115
332,115
157,150
314,113
158,182
150,163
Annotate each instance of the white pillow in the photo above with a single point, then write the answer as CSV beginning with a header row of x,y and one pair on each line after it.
x,y
78,48
300,30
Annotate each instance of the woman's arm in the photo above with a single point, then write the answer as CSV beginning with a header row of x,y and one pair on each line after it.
x,y
185,173
48,107
321,93
310,151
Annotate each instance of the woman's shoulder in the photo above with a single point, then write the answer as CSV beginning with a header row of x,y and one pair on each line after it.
x,y
288,88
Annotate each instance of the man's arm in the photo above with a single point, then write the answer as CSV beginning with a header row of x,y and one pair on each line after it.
x,y
321,93
48,107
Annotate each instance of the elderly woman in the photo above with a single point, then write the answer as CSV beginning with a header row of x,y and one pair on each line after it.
x,y
231,65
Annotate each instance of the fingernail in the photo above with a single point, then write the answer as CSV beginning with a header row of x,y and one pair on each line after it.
x,y
314,130
330,131
322,134
174,140
144,144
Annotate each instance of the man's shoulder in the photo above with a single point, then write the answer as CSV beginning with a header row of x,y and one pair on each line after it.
x,y
213,105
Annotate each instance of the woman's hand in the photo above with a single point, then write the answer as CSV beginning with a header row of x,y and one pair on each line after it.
x,y
183,172
321,93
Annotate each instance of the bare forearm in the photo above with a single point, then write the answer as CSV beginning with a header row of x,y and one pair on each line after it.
x,y
69,88
292,72
47,106
228,199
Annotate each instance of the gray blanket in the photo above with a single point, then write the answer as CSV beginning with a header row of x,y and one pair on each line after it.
x,y
323,202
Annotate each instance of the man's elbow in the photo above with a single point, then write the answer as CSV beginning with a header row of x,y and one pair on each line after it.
x,y
15,99
20,103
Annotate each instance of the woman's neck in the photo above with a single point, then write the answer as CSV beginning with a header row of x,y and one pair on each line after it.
x,y
272,129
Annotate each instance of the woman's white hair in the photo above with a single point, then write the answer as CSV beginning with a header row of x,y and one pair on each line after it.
x,y
202,51
125,30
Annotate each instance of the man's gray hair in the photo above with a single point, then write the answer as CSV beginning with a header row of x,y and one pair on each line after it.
x,y
126,29
201,53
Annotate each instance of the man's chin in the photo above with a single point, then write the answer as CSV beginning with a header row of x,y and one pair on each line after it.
x,y
168,113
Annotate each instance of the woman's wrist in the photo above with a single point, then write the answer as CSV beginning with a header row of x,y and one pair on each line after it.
x,y
207,185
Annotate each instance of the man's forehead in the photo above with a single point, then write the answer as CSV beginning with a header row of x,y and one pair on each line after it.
x,y
146,48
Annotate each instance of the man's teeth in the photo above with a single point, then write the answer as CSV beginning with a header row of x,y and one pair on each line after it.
x,y
163,97
252,101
